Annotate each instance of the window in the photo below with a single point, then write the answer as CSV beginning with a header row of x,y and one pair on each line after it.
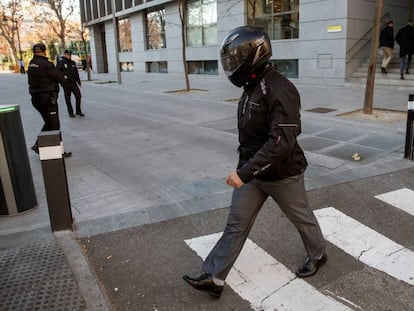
x,y
287,67
124,35
208,67
201,22
127,66
127,4
161,67
279,18
156,29
102,8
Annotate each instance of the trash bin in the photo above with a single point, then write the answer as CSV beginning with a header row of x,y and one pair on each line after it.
x,y
17,192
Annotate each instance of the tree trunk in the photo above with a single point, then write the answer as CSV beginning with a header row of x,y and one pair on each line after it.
x,y
85,52
182,10
369,88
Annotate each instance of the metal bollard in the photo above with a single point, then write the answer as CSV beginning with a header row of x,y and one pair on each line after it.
x,y
409,136
56,185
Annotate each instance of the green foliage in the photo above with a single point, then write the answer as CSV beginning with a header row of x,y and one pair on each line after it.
x,y
78,48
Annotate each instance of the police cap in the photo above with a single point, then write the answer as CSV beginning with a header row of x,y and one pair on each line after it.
x,y
68,52
39,47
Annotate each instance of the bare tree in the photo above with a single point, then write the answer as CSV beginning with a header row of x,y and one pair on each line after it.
x,y
12,17
57,20
182,10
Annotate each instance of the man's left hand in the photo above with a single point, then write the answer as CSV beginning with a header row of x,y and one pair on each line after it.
x,y
234,180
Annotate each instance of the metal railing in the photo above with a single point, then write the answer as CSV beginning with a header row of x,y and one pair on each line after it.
x,y
364,41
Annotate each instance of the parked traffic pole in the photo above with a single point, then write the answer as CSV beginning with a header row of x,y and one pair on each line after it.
x,y
409,136
54,175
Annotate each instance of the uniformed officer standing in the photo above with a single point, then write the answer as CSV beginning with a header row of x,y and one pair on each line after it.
x,y
43,80
68,66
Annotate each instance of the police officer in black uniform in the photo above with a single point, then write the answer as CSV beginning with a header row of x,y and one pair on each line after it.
x,y
43,80
72,83
271,162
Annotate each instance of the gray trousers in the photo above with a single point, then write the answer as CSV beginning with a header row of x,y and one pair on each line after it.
x,y
246,203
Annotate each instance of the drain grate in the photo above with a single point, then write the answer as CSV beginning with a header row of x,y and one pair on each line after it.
x,y
37,278
321,110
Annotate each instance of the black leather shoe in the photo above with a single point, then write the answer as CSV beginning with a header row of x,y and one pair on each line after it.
x,y
67,154
205,283
80,114
310,267
71,115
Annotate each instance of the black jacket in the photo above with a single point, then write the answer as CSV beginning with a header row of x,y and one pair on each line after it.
x,y
69,68
42,76
269,123
405,39
387,37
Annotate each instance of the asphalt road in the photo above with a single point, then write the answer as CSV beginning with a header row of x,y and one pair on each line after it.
x,y
141,267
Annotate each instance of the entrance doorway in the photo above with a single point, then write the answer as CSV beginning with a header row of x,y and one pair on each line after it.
x,y
100,49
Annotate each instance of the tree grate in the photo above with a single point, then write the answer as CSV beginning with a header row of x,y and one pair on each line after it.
x,y
321,110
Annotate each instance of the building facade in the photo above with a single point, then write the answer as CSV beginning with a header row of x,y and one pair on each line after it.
x,y
314,41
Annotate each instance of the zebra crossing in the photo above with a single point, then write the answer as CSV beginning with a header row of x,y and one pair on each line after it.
x,y
268,285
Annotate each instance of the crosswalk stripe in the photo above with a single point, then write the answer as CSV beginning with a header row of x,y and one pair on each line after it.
x,y
402,199
267,284
366,245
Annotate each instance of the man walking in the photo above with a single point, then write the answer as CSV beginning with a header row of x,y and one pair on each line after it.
x,y
271,162
405,39
72,84
43,80
387,45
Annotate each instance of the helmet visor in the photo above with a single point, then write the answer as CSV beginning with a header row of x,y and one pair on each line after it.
x,y
230,63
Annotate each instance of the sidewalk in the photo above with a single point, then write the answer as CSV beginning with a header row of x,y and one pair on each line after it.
x,y
145,153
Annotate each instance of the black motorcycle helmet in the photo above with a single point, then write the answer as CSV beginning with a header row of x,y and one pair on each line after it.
x,y
243,51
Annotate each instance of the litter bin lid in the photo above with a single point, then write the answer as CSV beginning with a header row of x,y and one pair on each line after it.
x,y
8,108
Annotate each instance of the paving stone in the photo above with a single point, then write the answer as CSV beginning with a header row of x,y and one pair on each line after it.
x,y
342,134
315,143
348,150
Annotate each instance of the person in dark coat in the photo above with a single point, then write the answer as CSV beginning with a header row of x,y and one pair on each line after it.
x,y
43,80
387,45
405,39
271,162
72,84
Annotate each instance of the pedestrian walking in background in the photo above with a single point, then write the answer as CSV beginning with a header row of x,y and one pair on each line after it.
x,y
43,80
271,162
405,39
387,45
72,84
21,66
